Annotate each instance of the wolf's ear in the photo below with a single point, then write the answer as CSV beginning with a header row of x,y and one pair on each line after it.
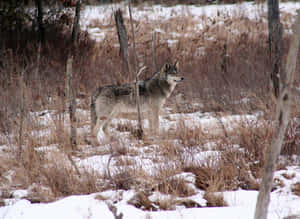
x,y
176,65
165,68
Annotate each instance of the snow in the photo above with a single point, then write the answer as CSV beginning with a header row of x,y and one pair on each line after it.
x,y
97,163
75,207
152,13
241,203
280,205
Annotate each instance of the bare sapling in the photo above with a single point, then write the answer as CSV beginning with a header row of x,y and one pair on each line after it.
x,y
69,74
140,131
281,121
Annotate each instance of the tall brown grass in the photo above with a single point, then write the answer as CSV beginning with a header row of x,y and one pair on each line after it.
x,y
201,55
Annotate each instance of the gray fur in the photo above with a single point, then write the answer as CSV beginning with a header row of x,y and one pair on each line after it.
x,y
109,101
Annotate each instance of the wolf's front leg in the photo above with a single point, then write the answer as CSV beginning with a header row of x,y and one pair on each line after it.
x,y
94,131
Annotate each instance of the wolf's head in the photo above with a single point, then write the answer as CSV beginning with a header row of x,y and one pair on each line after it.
x,y
170,73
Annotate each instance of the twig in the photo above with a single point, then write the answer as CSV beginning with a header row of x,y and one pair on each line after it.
x,y
141,71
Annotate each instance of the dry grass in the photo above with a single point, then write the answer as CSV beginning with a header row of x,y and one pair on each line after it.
x,y
47,172
292,217
141,200
222,175
12,174
176,186
127,177
201,55
214,200
279,182
296,189
292,138
64,180
254,138
128,127
189,136
237,163
288,176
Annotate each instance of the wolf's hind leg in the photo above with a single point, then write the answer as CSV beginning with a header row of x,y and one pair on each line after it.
x,y
96,128
105,124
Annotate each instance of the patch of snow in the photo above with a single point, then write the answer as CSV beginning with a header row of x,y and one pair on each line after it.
x,y
20,193
75,207
97,163
47,148
280,205
4,148
170,42
205,157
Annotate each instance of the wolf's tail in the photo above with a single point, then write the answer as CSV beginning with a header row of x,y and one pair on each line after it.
x,y
93,108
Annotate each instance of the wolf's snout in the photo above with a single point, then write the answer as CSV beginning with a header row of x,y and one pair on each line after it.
x,y
182,78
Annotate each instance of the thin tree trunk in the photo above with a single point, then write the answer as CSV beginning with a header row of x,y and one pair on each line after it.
x,y
22,111
37,69
75,27
41,44
69,74
275,46
122,36
137,94
281,122
224,64
153,52
39,7
71,102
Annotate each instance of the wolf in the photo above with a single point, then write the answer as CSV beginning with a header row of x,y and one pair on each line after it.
x,y
108,101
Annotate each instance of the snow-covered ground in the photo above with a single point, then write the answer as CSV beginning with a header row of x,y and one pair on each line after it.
x,y
156,14
241,203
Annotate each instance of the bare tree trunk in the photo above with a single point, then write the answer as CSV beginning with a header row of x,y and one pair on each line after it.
x,y
224,64
69,74
122,36
22,112
140,131
153,52
75,27
71,102
38,60
39,7
281,122
275,46
41,44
